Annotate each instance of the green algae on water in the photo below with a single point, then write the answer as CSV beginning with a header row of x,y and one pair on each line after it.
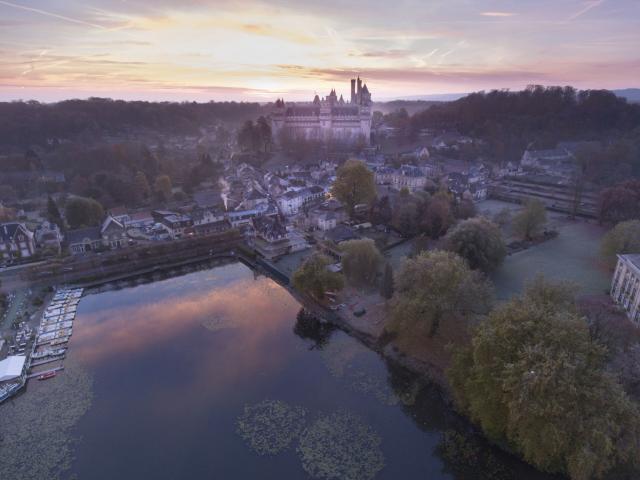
x,y
270,426
35,427
341,446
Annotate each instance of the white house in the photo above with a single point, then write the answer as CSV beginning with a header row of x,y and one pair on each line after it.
x,y
625,288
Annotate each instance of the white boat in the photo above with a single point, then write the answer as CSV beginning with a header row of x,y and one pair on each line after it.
x,y
56,326
49,336
49,353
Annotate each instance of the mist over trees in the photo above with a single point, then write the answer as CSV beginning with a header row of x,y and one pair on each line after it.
x,y
510,121
26,123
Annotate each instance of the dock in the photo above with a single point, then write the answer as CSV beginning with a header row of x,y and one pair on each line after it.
x,y
48,360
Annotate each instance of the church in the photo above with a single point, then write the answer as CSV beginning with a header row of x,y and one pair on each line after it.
x,y
327,119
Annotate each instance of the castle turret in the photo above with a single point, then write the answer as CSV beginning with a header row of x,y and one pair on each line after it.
x,y
353,90
359,91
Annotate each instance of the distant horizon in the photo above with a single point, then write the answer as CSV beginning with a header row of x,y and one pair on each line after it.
x,y
409,98
259,50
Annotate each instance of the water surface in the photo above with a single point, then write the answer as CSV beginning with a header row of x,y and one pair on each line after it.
x,y
174,363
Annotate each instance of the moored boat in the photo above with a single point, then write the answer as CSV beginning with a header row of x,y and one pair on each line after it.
x,y
46,376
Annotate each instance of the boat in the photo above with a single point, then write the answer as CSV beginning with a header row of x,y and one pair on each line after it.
x,y
49,353
47,375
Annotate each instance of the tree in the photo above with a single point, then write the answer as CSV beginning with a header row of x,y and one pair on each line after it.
x,y
620,202
141,185
380,212
53,213
264,133
530,220
534,378
465,209
479,242
162,187
437,217
83,212
354,184
386,285
435,286
502,217
405,219
314,279
623,238
361,261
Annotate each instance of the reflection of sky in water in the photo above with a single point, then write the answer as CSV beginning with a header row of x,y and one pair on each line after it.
x,y
168,391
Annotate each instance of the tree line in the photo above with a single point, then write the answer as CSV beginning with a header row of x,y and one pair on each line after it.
x,y
27,123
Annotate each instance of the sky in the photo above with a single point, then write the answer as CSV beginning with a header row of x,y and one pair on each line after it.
x,y
259,50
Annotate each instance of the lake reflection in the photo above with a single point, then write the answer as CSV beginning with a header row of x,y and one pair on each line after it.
x,y
175,362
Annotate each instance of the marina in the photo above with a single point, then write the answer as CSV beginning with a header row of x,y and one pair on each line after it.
x,y
46,345
56,328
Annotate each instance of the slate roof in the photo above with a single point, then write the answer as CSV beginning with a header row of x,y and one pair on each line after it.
x,y
80,234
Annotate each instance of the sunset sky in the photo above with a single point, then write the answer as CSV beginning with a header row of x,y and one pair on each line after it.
x,y
260,50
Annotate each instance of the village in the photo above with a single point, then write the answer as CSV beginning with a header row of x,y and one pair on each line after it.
x,y
285,214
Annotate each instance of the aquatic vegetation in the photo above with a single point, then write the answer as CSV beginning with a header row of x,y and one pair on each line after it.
x,y
270,426
341,446
35,431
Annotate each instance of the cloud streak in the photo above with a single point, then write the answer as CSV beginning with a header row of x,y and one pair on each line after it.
x,y
255,49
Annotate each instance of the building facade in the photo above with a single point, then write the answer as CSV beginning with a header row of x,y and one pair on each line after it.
x,y
330,119
625,288
16,242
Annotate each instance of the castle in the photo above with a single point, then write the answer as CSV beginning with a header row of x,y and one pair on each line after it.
x,y
328,119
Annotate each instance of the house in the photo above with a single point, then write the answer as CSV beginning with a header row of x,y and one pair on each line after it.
x,y
84,240
291,202
113,233
557,161
254,198
625,288
48,236
326,221
271,237
176,224
407,176
451,140
120,214
141,220
207,221
16,242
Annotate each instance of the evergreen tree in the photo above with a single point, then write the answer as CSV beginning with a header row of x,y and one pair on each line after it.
x,y
387,285
53,214
142,186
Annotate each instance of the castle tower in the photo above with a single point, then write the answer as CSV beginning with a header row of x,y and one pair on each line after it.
x,y
359,92
353,90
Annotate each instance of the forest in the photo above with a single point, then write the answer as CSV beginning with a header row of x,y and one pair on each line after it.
x,y
23,124
537,117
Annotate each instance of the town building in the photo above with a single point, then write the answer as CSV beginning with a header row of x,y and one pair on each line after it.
x,y
291,202
407,176
84,240
16,242
113,233
625,288
557,161
327,119
49,237
207,221
141,220
271,237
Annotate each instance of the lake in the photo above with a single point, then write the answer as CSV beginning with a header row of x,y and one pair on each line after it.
x,y
208,374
